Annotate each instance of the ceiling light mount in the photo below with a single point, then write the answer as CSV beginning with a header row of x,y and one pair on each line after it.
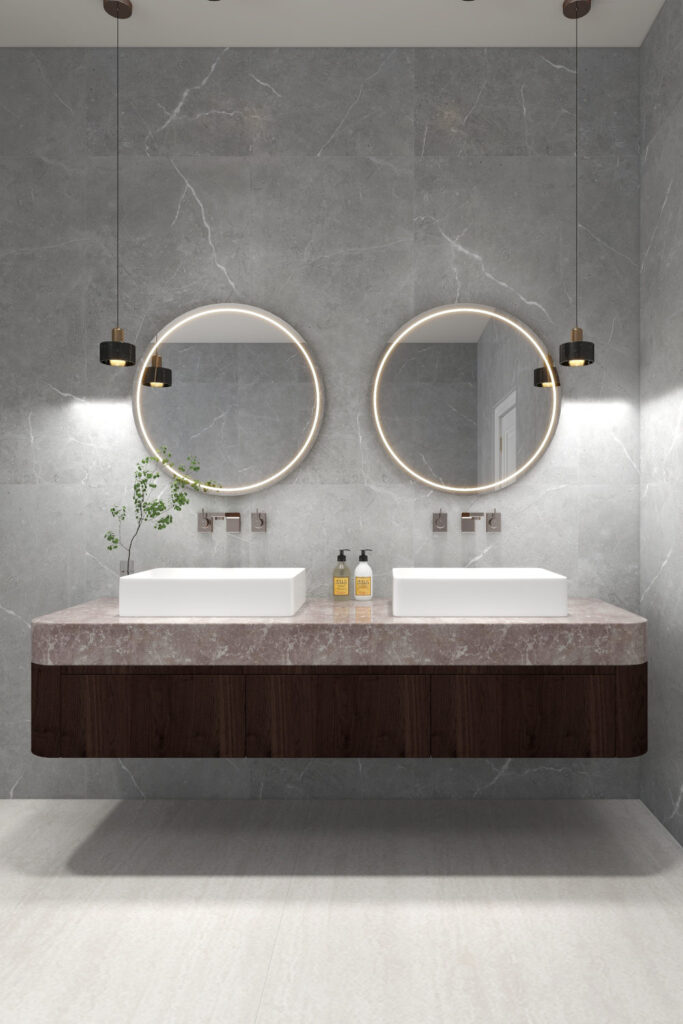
x,y
576,8
118,8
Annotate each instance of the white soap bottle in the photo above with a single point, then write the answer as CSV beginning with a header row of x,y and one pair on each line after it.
x,y
362,578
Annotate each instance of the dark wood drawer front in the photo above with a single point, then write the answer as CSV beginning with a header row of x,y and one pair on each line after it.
x,y
535,712
631,710
46,703
169,711
338,714
151,713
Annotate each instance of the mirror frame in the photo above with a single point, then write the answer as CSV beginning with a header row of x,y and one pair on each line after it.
x,y
526,332
290,333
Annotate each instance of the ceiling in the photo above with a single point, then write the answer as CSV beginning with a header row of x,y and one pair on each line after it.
x,y
323,23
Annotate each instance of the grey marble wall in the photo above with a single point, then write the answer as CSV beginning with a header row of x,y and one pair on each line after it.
x,y
662,408
345,190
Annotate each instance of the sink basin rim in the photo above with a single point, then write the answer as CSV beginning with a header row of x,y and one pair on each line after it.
x,y
443,592
212,592
215,573
457,574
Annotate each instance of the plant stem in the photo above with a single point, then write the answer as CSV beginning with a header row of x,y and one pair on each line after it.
x,y
130,546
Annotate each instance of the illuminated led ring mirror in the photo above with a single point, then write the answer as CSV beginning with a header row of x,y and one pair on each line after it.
x,y
454,400
246,399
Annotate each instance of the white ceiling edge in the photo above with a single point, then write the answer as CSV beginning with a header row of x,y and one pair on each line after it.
x,y
318,23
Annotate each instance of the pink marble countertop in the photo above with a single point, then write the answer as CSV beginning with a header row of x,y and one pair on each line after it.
x,y
324,633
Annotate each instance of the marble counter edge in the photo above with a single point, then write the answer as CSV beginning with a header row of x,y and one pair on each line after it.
x,y
595,633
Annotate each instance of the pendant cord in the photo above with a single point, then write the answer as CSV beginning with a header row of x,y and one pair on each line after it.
x,y
117,171
576,154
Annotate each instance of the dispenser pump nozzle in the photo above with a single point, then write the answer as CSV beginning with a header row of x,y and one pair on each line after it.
x,y
363,555
341,557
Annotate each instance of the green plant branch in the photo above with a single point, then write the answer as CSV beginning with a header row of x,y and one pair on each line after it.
x,y
147,508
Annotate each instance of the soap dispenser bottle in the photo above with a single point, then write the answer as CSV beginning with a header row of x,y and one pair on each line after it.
x,y
362,578
341,578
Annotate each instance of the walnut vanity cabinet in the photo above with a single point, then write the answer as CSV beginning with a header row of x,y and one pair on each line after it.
x,y
539,711
331,711
337,712
127,711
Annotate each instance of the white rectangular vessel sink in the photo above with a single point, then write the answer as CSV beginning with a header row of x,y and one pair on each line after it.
x,y
479,593
212,592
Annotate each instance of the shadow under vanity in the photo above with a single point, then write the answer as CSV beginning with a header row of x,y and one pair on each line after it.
x,y
328,679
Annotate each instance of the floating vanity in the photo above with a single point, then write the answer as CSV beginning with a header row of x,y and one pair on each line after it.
x,y
339,681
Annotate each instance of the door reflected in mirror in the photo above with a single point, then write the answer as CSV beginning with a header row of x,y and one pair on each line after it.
x,y
454,399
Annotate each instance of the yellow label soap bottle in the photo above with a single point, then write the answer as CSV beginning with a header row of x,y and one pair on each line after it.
x,y
341,578
362,578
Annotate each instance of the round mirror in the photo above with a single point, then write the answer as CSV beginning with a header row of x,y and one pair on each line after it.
x,y
456,400
245,400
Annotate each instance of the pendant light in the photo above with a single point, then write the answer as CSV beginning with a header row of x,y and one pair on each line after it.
x,y
542,379
117,352
156,375
577,352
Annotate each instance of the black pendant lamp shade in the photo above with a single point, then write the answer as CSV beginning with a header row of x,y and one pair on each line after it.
x,y
117,352
543,379
577,352
156,375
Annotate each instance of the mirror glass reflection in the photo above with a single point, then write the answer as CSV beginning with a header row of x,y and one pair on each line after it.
x,y
246,399
455,400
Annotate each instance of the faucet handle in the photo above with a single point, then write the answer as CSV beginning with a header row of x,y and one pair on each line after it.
x,y
204,522
439,521
494,522
259,522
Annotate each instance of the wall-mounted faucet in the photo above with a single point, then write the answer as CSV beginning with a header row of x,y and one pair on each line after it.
x,y
259,522
205,521
440,521
494,521
468,521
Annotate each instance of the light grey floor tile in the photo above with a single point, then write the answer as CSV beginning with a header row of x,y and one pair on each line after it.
x,y
396,912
